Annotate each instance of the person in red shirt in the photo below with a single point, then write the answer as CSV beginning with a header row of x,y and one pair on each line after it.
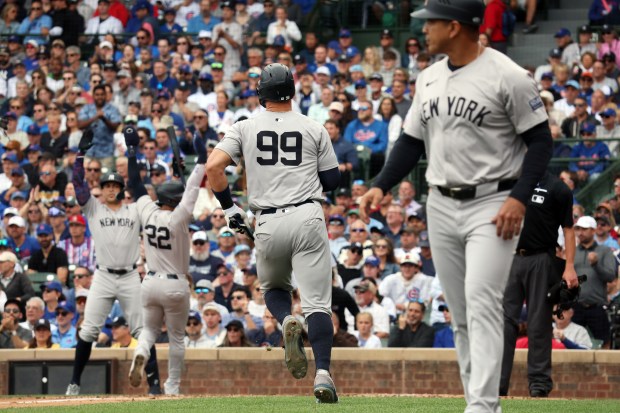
x,y
492,24
118,10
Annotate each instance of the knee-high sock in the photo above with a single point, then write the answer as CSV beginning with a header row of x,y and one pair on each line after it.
x,y
82,355
321,337
152,369
279,303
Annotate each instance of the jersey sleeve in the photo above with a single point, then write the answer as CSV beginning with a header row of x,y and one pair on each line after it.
x,y
146,207
411,124
231,143
90,208
564,198
326,156
523,103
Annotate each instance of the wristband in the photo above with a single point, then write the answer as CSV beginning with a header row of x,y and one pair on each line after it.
x,y
225,198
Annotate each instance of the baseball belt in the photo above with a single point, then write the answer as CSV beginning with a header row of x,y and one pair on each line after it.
x,y
116,271
274,210
463,193
168,276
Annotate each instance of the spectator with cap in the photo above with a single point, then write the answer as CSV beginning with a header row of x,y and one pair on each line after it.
x,y
103,118
37,22
562,38
386,42
609,129
66,333
320,111
350,262
204,96
19,187
22,244
366,299
251,107
410,330
194,330
572,124
181,106
371,133
225,285
79,248
49,258
205,295
602,234
235,335
410,283
307,92
158,174
228,34
55,140
444,336
567,104
554,59
611,68
336,229
52,293
242,256
202,265
546,84
593,155
609,43
571,55
121,335
169,24
126,92
597,263
42,336
204,20
214,332
102,24
143,19
14,284
12,334
370,270
268,335
226,243
57,217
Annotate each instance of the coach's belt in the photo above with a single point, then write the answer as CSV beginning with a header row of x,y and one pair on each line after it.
x,y
117,272
462,193
526,253
274,210
168,276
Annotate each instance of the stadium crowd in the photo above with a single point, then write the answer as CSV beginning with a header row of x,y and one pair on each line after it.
x,y
195,65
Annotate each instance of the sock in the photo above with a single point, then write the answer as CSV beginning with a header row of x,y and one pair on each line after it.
x,y
82,355
279,303
321,337
151,369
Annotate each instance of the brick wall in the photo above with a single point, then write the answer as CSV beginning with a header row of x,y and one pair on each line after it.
x,y
576,374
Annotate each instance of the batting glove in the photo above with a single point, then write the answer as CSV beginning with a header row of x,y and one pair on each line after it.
x,y
200,148
87,141
237,219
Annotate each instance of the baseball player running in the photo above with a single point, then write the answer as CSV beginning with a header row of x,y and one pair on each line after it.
x,y
290,162
475,113
165,288
116,232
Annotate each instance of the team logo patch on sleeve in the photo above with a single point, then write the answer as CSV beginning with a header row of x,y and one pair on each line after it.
x,y
536,103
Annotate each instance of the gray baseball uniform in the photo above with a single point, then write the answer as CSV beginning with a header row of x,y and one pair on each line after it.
x,y
165,289
470,120
284,152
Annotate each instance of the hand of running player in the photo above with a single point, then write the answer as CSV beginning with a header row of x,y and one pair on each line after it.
x,y
370,203
237,219
509,218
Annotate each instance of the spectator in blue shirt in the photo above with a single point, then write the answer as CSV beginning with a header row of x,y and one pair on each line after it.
x,y
204,21
371,133
594,154
103,118
22,244
35,23
345,152
444,338
169,26
65,335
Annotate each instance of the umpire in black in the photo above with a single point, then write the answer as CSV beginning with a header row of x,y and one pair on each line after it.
x,y
534,269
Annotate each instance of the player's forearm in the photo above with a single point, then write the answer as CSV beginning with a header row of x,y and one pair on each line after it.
x,y
403,158
539,151
82,192
216,165
191,191
569,246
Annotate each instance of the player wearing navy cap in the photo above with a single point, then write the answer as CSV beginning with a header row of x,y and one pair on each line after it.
x,y
487,142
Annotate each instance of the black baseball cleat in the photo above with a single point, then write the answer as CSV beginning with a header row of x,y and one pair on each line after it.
x,y
538,393
294,352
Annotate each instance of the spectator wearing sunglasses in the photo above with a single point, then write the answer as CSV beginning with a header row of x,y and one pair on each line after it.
x,y
37,22
226,285
12,335
239,302
51,293
203,265
66,334
204,294
594,155
609,129
194,330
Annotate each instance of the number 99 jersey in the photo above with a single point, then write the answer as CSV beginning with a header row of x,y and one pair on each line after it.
x,y
274,145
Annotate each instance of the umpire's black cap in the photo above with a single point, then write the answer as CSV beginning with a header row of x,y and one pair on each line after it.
x,y
468,12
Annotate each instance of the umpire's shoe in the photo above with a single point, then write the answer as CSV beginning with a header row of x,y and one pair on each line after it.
x,y
294,353
324,388
137,370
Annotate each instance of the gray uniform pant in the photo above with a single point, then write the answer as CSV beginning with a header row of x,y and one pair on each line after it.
x,y
472,264
529,280
104,290
294,239
165,299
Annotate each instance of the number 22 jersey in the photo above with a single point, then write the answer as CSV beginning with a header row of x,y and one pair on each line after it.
x,y
283,153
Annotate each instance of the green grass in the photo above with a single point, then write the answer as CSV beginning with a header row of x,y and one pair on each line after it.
x,y
353,404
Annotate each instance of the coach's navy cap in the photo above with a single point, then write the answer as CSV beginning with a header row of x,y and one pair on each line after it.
x,y
463,11
562,32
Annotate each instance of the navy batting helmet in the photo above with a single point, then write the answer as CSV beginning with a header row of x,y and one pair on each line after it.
x,y
170,193
276,84
112,177
468,12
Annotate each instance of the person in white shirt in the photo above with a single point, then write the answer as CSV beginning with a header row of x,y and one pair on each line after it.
x,y
320,111
365,297
283,27
567,104
364,335
229,35
407,284
104,23
572,335
195,337
213,330
186,10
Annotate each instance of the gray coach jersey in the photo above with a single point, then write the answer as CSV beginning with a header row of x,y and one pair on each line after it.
x,y
489,101
166,233
273,143
112,231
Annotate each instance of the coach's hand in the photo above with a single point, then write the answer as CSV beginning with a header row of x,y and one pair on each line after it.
x,y
370,203
237,219
200,148
508,219
86,142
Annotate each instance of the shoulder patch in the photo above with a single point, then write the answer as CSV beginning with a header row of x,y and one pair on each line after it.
x,y
536,103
